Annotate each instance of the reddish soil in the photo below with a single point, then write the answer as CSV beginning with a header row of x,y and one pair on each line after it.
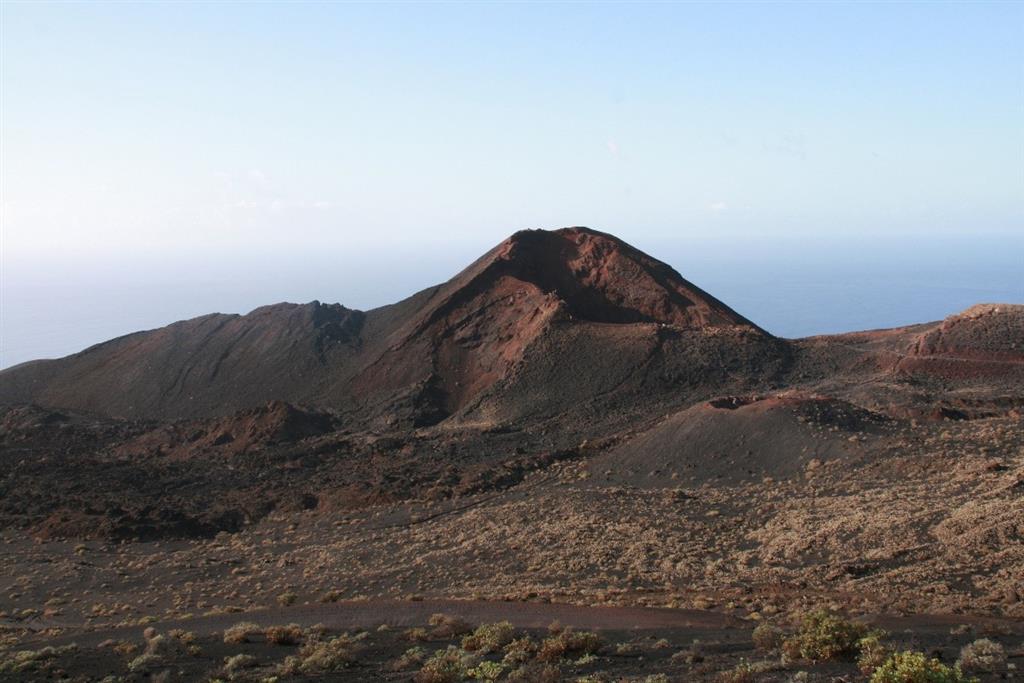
x,y
567,420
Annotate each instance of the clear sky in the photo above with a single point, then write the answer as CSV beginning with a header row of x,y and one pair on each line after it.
x,y
294,148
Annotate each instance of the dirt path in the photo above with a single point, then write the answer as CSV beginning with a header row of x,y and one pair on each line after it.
x,y
404,614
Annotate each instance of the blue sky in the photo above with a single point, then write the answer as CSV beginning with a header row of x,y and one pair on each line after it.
x,y
171,133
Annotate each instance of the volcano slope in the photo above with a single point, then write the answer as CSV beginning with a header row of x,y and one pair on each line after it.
x,y
567,420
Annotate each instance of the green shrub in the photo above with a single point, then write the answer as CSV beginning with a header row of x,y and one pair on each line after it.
x,y
535,673
487,671
446,666
489,637
914,667
519,651
823,636
743,672
33,660
873,652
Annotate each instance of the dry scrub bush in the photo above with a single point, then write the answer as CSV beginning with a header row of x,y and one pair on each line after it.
x,y
446,627
489,638
984,656
535,673
410,659
284,635
182,636
767,637
446,666
873,652
567,643
158,650
747,672
163,646
742,673
33,660
519,651
823,636
417,635
914,667
233,665
287,599
240,632
325,656
145,662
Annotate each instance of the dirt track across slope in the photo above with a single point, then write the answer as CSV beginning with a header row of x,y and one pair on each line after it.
x,y
403,614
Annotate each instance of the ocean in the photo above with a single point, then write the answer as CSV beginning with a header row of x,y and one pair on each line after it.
x,y
56,304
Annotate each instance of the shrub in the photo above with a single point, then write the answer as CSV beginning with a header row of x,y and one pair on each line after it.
x,y
569,642
447,627
745,671
983,655
240,632
316,631
33,660
535,673
182,636
767,637
445,666
323,656
287,599
822,636
487,671
167,647
417,635
742,673
284,635
873,652
914,667
519,651
145,662
238,662
489,637
410,659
